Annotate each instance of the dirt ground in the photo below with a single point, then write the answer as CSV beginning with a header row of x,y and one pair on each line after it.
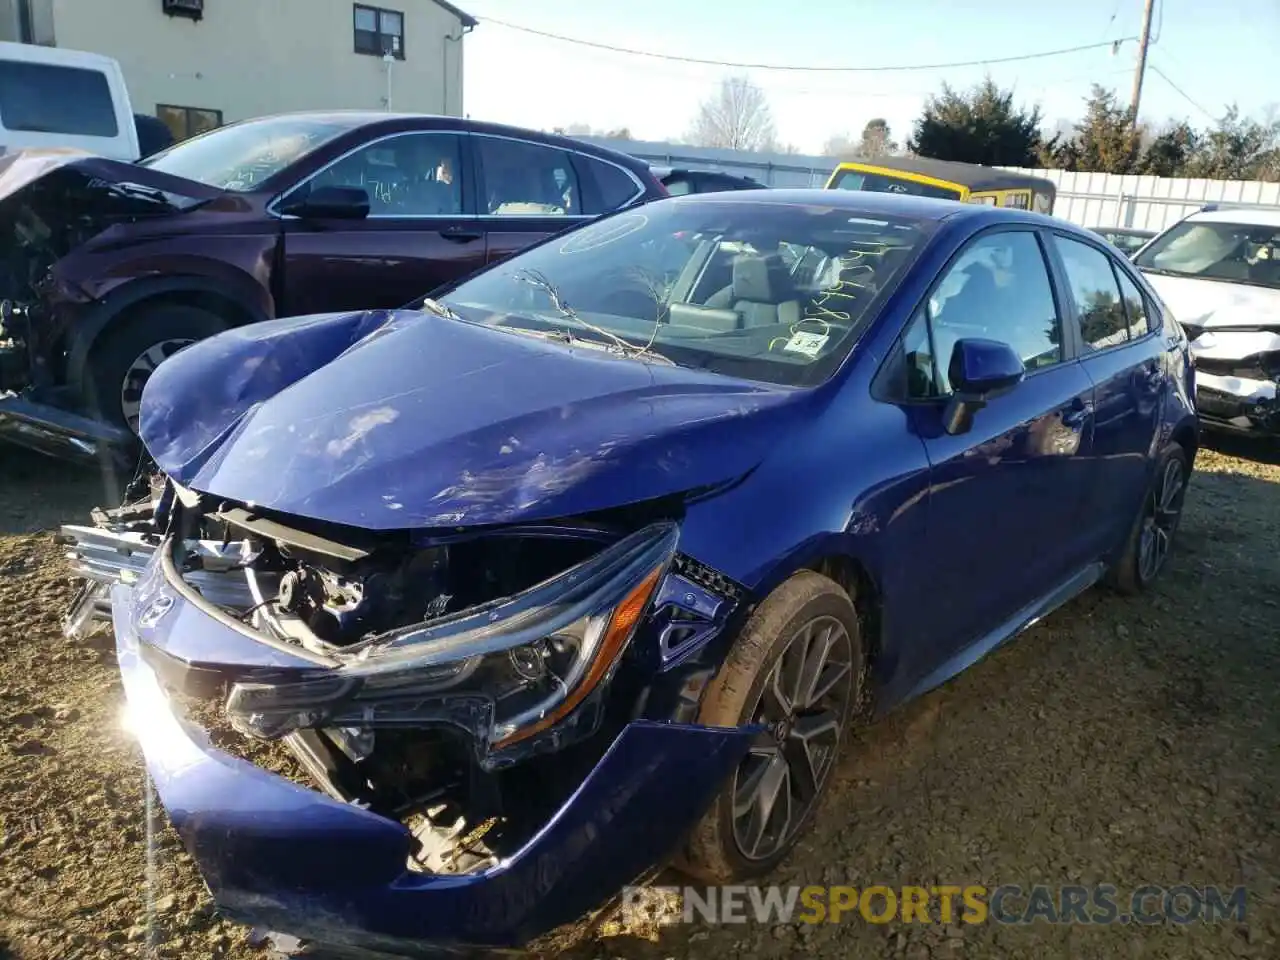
x,y
1122,741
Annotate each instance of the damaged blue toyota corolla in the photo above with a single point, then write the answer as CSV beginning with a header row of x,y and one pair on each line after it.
x,y
440,625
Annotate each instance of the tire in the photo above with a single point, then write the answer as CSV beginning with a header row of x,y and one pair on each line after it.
x,y
717,849
122,362
1156,524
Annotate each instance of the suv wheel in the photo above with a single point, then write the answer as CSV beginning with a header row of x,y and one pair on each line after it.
x,y
122,363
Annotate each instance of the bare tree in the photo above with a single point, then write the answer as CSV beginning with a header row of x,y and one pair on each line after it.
x,y
737,117
839,145
876,141
586,130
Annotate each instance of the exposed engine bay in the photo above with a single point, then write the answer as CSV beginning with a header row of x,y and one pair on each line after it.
x,y
437,677
58,213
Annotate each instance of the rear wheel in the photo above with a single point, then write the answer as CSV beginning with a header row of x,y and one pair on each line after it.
x,y
1151,537
797,668
122,363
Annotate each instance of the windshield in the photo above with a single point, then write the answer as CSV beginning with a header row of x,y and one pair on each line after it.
x,y
239,157
763,290
883,183
1239,252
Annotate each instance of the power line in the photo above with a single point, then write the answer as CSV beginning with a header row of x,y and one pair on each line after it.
x,y
798,68
1111,20
1178,90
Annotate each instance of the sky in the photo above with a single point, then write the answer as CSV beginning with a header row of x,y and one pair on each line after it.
x,y
1206,54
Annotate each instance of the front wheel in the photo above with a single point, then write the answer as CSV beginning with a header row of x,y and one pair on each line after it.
x,y
1151,537
122,363
797,668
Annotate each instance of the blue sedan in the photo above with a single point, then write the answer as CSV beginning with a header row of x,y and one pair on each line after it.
x,y
593,561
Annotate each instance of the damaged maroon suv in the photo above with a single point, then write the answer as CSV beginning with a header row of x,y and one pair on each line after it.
x,y
107,268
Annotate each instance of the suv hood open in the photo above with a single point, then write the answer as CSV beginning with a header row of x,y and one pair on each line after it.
x,y
407,419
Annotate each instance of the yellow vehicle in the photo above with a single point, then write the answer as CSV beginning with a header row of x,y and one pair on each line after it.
x,y
966,182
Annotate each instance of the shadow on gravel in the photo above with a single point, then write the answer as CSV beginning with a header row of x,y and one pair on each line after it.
x,y
1259,450
38,493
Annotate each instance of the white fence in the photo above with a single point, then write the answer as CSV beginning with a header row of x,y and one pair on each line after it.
x,y
1089,199
1148,203
771,169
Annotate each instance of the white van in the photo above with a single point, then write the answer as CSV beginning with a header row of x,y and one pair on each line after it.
x,y
54,98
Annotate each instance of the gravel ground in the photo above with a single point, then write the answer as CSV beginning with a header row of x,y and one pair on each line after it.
x,y
1123,741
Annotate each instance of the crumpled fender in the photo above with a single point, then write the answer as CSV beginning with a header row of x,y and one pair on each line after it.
x,y
237,370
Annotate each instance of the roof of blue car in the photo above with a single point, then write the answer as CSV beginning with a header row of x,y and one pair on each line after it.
x,y
867,202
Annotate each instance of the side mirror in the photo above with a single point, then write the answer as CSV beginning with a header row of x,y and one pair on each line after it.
x,y
329,203
980,370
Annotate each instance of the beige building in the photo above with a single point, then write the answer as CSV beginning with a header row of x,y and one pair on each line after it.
x,y
199,63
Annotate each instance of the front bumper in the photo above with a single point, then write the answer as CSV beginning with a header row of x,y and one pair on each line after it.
x,y
52,430
1237,404
281,856
1236,379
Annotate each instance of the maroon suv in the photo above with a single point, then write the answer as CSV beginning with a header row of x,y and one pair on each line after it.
x,y
107,268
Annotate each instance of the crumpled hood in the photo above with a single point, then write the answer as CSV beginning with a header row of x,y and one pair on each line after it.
x,y
1217,303
76,169
406,419
55,201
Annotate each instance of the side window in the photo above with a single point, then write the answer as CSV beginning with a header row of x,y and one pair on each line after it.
x,y
614,185
997,289
527,179
679,188
43,98
413,175
1093,286
1135,306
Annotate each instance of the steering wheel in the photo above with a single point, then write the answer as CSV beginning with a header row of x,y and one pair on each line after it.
x,y
632,293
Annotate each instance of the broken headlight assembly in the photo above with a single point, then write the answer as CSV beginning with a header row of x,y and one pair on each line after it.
x,y
518,672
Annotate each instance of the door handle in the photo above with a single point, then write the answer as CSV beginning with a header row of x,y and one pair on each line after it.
x,y
461,234
1076,414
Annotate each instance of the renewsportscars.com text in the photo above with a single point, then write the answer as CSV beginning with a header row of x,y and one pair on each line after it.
x,y
945,904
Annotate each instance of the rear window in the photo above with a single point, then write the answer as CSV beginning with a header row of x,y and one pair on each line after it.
x,y
44,98
616,186
881,183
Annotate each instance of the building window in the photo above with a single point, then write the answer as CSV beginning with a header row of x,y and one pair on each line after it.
x,y
379,31
184,122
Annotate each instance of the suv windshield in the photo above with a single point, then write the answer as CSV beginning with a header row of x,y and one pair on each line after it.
x,y
763,290
240,156
1237,252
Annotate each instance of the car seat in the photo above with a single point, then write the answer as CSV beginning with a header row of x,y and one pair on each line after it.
x,y
761,292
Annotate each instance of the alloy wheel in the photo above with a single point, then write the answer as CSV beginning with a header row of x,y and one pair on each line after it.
x,y
140,372
1164,506
803,703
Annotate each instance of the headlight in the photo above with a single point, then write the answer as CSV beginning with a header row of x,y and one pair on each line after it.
x,y
503,672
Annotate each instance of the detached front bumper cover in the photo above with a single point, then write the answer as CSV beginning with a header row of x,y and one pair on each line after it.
x,y
290,859
61,433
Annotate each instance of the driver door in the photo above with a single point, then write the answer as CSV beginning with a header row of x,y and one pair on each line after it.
x,y
1005,497
421,232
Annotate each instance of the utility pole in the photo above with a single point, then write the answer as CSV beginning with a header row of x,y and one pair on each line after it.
x,y
1143,42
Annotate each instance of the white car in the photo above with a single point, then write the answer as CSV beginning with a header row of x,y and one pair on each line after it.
x,y
1218,271
52,98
